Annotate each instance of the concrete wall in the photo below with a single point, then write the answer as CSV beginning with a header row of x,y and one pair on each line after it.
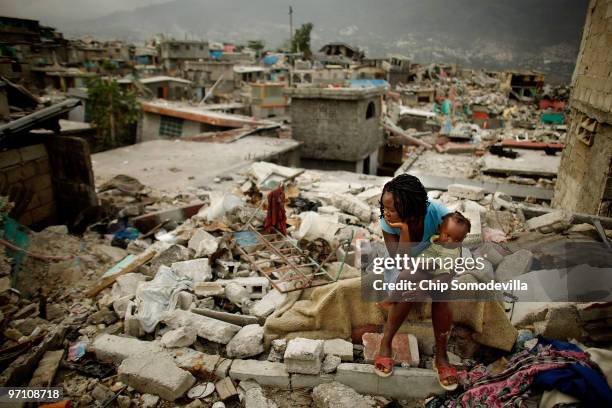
x,y
584,183
148,127
28,170
334,128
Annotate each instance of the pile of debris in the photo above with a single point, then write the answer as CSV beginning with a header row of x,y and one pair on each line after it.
x,y
178,311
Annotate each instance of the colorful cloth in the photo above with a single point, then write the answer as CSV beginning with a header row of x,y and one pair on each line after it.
x,y
513,386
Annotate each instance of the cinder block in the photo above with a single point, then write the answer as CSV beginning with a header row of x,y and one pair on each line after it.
x,y
264,372
304,356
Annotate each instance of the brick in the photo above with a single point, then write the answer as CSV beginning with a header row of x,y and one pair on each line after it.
x,y
467,192
340,348
155,374
33,152
43,212
405,348
304,356
514,265
199,364
405,383
264,372
210,329
28,170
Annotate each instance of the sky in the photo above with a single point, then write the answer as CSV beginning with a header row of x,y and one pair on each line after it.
x,y
58,10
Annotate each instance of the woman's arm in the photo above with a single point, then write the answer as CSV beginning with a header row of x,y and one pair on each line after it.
x,y
398,244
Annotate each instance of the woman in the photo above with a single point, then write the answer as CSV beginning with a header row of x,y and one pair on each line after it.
x,y
408,220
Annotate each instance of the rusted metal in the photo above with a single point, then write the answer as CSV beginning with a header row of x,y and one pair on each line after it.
x,y
290,273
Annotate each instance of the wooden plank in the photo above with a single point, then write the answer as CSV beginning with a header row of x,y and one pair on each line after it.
x,y
108,280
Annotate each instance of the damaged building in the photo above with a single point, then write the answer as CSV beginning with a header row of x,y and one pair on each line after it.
x,y
339,128
584,183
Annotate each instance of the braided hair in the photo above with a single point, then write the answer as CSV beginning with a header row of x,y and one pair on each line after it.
x,y
409,197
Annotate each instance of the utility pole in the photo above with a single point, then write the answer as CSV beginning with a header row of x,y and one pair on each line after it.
x,y
291,28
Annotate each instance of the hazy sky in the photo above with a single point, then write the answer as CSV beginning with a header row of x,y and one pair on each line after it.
x,y
67,9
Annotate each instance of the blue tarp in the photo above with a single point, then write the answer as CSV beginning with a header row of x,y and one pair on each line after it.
x,y
270,59
367,83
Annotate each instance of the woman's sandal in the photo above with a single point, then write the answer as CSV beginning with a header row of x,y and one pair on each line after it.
x,y
386,363
447,373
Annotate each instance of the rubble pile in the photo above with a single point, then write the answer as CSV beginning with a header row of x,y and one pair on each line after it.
x,y
179,313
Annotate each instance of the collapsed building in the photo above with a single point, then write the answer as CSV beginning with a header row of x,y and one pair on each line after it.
x,y
219,260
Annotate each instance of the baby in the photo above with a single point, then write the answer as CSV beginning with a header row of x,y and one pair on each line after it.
x,y
447,244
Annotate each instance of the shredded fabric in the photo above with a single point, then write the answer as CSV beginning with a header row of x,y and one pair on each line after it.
x,y
276,218
512,387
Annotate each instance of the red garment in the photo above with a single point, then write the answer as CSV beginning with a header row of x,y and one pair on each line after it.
x,y
276,218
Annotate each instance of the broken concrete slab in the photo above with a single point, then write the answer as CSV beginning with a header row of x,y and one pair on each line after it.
x,y
206,327
115,349
466,192
268,304
200,364
181,337
514,265
403,384
299,381
203,243
304,356
352,205
264,372
198,270
594,311
248,342
529,163
340,348
555,221
155,374
330,363
337,395
254,398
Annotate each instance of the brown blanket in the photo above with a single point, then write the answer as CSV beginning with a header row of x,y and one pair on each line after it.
x,y
335,310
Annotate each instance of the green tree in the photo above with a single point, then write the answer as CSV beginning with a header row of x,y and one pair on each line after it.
x,y
301,40
114,112
257,46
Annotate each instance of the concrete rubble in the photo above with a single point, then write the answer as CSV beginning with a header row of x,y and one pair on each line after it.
x,y
164,295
